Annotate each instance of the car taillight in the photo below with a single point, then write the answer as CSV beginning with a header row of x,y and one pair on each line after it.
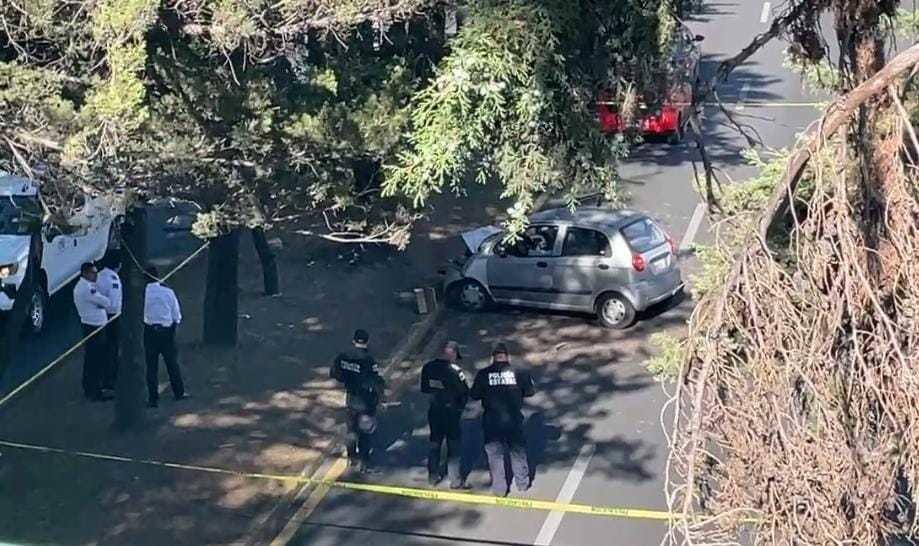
x,y
638,263
672,245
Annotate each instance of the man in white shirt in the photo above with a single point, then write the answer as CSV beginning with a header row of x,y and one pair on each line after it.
x,y
109,285
161,316
91,306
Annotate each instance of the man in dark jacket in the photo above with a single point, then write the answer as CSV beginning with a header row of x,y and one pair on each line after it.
x,y
445,381
359,373
502,389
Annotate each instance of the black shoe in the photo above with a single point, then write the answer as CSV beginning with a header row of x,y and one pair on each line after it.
x,y
462,486
101,397
434,479
183,396
153,404
370,470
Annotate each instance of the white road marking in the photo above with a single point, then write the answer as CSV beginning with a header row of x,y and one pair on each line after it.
x,y
565,496
693,227
767,12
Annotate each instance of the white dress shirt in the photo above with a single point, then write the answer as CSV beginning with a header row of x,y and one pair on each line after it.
x,y
90,303
109,285
161,306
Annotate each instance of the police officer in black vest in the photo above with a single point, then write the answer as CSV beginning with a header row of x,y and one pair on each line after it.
x,y
359,373
502,388
445,381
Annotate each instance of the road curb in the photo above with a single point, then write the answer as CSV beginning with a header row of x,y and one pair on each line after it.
x,y
269,526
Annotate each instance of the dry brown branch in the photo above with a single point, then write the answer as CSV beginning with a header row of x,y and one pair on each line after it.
x,y
798,402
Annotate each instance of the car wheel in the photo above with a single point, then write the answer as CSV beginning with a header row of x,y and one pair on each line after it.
x,y
37,312
469,295
615,311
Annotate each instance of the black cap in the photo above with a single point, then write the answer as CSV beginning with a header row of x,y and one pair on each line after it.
x,y
455,347
361,336
153,273
500,349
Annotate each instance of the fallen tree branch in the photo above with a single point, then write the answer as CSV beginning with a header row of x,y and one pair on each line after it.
x,y
836,115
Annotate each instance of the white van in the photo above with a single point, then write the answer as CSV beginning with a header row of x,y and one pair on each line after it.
x,y
86,238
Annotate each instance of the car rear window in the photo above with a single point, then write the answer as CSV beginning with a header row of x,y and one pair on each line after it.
x,y
643,235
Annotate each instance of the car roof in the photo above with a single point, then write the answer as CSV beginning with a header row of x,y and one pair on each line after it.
x,y
16,185
598,218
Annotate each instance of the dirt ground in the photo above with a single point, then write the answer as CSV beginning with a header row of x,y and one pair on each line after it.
x,y
267,406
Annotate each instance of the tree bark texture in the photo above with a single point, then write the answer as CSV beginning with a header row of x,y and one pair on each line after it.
x,y
129,386
267,259
221,295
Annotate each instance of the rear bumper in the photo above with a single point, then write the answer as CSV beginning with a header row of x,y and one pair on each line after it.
x,y
651,292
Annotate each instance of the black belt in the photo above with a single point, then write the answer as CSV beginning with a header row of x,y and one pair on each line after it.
x,y
160,327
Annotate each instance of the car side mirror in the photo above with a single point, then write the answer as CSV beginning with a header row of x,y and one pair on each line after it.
x,y
698,38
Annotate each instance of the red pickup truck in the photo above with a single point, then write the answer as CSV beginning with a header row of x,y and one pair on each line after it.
x,y
667,119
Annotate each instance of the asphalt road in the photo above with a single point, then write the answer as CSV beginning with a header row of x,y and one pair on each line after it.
x,y
166,245
595,429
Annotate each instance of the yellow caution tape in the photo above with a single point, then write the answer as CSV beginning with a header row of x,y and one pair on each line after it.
x,y
81,341
409,492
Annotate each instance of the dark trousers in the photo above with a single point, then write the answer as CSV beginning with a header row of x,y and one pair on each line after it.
x,y
159,340
95,354
361,426
498,446
444,423
113,345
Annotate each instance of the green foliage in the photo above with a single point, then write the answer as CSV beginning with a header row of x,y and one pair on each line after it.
x,y
905,23
665,364
742,204
820,76
513,102
259,109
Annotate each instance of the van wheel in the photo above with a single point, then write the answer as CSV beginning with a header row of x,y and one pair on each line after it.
x,y
469,295
615,311
37,312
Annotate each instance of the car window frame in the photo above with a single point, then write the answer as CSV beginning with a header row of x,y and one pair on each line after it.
x,y
609,244
628,242
500,249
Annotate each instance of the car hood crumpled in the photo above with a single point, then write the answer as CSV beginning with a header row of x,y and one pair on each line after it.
x,y
473,239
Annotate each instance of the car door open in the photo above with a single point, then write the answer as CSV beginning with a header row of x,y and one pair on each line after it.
x,y
522,272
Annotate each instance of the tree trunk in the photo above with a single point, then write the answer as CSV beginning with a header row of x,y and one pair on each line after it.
x,y
269,264
16,318
222,292
129,386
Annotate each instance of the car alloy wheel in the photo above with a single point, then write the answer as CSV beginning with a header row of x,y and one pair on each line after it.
x,y
37,311
614,311
472,296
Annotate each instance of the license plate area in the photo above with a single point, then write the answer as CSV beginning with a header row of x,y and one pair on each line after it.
x,y
661,264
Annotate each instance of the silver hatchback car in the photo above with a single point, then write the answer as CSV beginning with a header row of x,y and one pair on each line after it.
x,y
613,263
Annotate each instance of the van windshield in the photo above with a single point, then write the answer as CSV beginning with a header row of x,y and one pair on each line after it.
x,y
19,214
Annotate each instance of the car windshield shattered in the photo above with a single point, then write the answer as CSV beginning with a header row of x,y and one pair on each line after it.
x,y
19,214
